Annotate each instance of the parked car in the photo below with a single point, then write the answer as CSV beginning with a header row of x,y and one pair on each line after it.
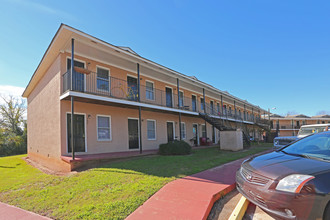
x,y
292,182
304,131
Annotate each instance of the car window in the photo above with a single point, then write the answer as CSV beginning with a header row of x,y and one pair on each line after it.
x,y
313,146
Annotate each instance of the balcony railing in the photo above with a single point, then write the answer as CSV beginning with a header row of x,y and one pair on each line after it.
x,y
121,89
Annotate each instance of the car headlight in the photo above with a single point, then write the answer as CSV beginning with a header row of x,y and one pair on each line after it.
x,y
293,183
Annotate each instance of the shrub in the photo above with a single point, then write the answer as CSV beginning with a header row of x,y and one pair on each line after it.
x,y
175,148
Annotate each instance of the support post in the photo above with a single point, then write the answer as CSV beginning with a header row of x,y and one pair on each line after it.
x,y
178,88
235,108
72,100
221,106
244,113
204,112
139,100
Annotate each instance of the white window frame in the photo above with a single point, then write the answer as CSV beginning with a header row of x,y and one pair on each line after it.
x,y
153,90
185,130
152,139
97,127
105,68
173,104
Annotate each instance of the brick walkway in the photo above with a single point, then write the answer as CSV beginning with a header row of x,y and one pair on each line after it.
x,y
191,197
13,213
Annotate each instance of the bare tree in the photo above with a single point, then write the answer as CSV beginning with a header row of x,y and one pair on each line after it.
x,y
11,114
291,113
323,112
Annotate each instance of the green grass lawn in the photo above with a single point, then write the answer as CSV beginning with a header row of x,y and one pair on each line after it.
x,y
111,191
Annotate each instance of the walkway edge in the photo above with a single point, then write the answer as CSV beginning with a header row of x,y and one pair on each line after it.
x,y
218,196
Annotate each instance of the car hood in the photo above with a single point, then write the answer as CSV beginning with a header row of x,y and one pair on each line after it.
x,y
277,165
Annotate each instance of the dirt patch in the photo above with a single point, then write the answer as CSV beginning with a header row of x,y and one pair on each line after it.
x,y
45,169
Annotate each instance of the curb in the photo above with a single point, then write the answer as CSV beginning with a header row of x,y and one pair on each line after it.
x,y
218,196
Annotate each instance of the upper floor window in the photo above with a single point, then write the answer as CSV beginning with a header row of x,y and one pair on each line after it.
x,y
229,112
103,79
150,91
218,108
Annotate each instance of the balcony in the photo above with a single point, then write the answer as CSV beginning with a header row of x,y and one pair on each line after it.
x,y
120,89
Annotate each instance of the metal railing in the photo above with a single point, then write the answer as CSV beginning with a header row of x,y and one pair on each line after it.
x,y
117,88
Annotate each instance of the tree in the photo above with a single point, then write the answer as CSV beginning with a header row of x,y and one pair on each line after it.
x,y
11,114
12,126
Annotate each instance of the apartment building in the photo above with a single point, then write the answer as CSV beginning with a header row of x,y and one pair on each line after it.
x,y
289,125
122,104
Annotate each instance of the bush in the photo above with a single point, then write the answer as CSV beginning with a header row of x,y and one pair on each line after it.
x,y
175,148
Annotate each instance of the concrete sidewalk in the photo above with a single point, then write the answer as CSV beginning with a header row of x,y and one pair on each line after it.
x,y
14,213
191,197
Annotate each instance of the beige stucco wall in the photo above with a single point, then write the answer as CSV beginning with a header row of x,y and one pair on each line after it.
x,y
119,127
43,115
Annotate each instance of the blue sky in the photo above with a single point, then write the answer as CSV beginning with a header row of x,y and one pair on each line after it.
x,y
272,53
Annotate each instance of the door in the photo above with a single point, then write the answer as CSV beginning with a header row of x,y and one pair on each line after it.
x,y
133,134
79,133
77,78
132,88
195,134
193,103
213,134
169,102
170,131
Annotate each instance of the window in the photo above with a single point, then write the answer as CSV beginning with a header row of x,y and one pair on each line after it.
x,y
103,128
183,130
103,79
218,108
224,109
150,91
229,113
193,103
212,107
181,98
202,104
151,129
203,131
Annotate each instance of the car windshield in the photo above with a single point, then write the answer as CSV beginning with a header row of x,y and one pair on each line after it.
x,y
315,147
311,130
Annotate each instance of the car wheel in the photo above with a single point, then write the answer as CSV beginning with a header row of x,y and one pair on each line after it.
x,y
326,214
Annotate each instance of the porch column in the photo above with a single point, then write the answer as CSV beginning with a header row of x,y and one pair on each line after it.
x,y
244,113
72,99
178,88
221,106
139,100
204,112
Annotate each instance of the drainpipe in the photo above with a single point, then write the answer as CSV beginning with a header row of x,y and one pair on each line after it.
x,y
178,88
204,112
139,100
72,100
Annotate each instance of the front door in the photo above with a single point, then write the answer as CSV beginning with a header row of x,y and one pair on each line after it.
x,y
132,88
133,133
170,131
79,133
195,134
169,97
193,103
77,78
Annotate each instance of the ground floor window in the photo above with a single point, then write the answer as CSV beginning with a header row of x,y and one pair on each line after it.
x,y
183,130
203,131
151,129
103,128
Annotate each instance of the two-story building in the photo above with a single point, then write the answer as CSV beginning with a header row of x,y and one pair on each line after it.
x,y
289,125
122,104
